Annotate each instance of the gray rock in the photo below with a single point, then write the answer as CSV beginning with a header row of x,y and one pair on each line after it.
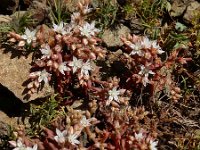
x,y
112,37
38,11
178,8
14,72
192,13
136,25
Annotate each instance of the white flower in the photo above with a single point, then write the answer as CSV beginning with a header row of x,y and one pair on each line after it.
x,y
46,51
113,95
61,136
145,72
153,145
43,76
139,136
136,49
146,43
85,122
18,145
72,138
59,28
34,147
156,46
89,30
29,36
75,64
86,67
62,68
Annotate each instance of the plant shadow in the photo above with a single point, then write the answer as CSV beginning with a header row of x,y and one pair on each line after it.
x,y
15,52
10,104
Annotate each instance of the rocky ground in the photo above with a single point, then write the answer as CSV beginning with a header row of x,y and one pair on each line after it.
x,y
15,65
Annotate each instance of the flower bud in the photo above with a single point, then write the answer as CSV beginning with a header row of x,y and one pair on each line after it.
x,y
58,48
21,43
73,47
116,124
122,91
68,120
30,85
178,96
100,55
92,56
127,43
94,48
80,6
79,45
54,57
51,41
78,52
58,38
77,127
49,63
20,133
147,55
92,41
114,104
29,92
18,37
85,41
177,89
81,81
173,92
126,55
174,98
37,84
79,115
87,113
90,104
33,90
13,40
55,65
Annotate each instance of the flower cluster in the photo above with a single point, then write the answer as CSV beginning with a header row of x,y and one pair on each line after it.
x,y
70,136
142,137
18,145
146,66
62,137
69,48
144,53
120,130
69,57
